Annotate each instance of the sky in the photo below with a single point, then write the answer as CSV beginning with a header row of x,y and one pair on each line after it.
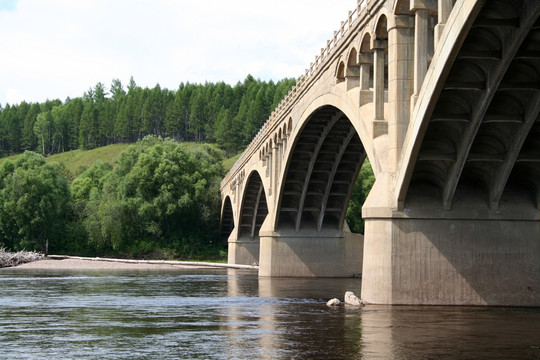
x,y
54,49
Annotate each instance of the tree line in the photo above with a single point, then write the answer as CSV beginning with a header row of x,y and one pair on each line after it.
x,y
213,112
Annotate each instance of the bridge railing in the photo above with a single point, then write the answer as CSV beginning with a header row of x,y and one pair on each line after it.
x,y
278,115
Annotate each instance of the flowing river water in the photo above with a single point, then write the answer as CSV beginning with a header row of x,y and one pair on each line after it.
x,y
233,314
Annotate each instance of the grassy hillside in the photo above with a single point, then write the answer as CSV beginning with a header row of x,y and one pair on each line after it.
x,y
77,161
228,163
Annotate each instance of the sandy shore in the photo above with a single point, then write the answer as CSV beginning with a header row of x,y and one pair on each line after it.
x,y
76,263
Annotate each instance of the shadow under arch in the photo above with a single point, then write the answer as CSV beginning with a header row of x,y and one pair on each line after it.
x,y
245,248
254,208
226,225
320,174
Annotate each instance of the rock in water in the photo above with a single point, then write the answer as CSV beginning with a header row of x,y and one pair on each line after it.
x,y
351,299
333,302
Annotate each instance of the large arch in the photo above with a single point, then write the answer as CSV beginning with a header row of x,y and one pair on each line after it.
x,y
254,208
320,173
307,234
244,246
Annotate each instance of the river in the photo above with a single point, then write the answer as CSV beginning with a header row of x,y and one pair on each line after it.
x,y
233,314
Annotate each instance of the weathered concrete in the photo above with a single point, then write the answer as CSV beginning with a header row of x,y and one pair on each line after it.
x,y
442,97
452,261
311,255
244,252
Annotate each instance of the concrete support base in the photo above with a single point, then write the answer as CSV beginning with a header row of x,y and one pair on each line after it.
x,y
452,262
243,252
311,255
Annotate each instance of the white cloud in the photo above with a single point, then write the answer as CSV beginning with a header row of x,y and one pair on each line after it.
x,y
60,48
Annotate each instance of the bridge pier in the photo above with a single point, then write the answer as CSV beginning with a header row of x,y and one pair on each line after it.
x,y
451,258
311,254
243,251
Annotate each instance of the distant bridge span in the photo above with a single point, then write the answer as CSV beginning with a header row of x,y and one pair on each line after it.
x,y
443,98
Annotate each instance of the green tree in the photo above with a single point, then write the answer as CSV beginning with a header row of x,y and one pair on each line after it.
x,y
197,115
159,196
224,132
61,127
29,138
88,127
74,109
362,187
43,128
34,203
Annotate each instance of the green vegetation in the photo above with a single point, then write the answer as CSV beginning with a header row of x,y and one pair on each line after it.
x,y
218,113
362,187
35,203
228,163
160,199
76,161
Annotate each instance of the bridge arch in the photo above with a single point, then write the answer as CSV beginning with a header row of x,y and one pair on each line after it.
x,y
340,71
322,167
352,58
254,207
227,220
381,28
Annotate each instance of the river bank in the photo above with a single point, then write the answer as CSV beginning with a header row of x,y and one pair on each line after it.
x,y
61,262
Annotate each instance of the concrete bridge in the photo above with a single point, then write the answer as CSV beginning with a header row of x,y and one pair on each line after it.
x,y
443,98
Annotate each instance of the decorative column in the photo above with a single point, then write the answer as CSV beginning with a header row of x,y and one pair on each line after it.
x,y
275,165
365,62
269,170
444,9
352,75
380,126
420,50
400,82
280,152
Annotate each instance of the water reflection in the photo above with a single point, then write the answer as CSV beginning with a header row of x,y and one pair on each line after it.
x,y
236,315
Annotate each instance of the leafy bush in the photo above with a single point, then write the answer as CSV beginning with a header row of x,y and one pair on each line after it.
x,y
160,196
34,203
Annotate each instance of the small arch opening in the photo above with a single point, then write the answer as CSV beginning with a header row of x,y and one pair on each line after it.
x,y
227,221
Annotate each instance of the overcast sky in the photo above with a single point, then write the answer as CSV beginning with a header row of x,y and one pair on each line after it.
x,y
52,49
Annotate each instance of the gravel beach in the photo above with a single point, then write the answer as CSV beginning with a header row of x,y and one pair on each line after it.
x,y
80,264
75,263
